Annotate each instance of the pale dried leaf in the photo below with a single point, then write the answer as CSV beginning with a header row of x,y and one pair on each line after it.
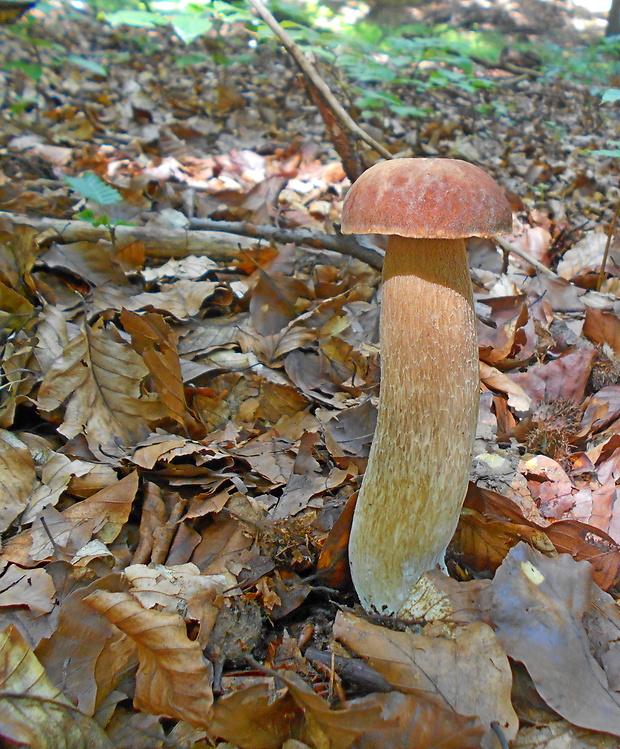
x,y
32,588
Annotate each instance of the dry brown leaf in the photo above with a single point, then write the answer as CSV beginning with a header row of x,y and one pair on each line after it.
x,y
173,678
565,377
437,597
257,716
276,300
483,543
180,588
111,506
498,381
602,327
55,475
154,340
584,257
17,478
448,669
32,588
103,514
19,375
585,543
34,712
181,299
98,380
86,654
91,261
333,564
400,721
307,479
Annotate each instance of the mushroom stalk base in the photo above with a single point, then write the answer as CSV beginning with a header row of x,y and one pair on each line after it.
x,y
418,467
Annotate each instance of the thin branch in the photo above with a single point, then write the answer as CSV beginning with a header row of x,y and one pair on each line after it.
x,y
610,234
223,241
312,75
508,247
347,245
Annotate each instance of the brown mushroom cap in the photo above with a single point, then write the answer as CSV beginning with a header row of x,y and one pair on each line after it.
x,y
426,198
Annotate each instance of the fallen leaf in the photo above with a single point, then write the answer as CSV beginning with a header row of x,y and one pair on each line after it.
x,y
172,677
537,610
446,669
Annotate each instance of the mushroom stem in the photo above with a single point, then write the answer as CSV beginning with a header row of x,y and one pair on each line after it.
x,y
418,467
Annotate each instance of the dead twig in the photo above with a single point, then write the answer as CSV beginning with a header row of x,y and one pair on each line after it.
x,y
346,245
221,240
508,247
225,242
316,83
610,234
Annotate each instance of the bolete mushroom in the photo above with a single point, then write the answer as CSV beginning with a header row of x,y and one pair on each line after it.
x,y
417,471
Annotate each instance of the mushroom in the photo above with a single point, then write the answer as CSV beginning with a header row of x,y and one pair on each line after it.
x,y
416,478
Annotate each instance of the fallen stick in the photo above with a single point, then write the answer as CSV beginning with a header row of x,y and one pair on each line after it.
x,y
346,245
220,240
223,241
508,247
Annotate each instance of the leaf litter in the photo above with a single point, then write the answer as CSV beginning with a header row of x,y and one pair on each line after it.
x,y
185,416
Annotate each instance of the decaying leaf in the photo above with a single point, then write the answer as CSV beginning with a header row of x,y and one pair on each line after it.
x,y
402,721
537,611
100,378
32,710
449,669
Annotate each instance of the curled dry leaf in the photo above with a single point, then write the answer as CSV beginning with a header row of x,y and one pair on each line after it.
x,y
173,678
450,670
537,609
34,712
498,381
154,340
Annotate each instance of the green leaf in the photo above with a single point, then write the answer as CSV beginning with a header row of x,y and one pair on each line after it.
x,y
612,94
188,28
19,107
195,58
613,152
83,62
31,70
140,19
403,110
90,186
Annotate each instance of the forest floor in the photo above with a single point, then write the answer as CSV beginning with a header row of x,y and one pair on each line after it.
x,y
187,399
